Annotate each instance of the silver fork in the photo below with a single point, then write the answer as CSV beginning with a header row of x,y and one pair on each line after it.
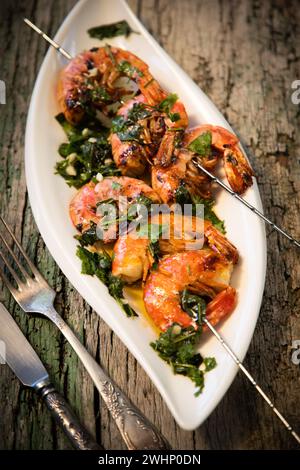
x,y
34,295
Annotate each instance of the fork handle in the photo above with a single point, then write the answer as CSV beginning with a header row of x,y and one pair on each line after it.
x,y
135,428
64,416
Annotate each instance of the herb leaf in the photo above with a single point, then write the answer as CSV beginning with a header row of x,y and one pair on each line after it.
x,y
99,264
182,195
194,305
129,70
209,213
126,130
210,363
89,237
138,112
86,154
121,28
129,129
202,144
167,104
176,346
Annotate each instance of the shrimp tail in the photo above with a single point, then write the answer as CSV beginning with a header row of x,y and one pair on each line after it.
x,y
221,306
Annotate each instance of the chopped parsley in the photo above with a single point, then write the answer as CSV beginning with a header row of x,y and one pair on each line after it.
x,y
209,213
129,70
153,232
89,237
132,214
138,112
128,129
120,28
86,153
183,196
194,305
125,130
167,104
91,93
202,144
99,264
115,185
177,345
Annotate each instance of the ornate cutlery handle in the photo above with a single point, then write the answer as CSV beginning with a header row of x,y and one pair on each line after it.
x,y
65,417
136,430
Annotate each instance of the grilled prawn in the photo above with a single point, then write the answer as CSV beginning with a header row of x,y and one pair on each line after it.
x,y
202,272
83,206
174,166
133,255
141,128
90,81
238,171
131,156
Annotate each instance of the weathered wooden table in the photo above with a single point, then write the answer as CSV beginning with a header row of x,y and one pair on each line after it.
x,y
244,56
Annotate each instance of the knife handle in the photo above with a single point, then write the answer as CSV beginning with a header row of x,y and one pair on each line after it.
x,y
64,416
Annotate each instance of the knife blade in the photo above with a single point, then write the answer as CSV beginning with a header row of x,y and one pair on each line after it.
x,y
20,356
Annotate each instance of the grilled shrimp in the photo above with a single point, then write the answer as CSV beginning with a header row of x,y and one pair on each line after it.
x,y
89,80
174,167
202,272
238,171
133,257
143,126
83,206
131,156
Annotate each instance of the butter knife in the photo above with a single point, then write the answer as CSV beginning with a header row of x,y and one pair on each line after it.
x,y
27,366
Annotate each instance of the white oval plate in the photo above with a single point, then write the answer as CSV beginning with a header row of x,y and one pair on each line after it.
x,y
49,198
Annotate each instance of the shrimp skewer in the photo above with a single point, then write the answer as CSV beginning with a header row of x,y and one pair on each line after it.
x,y
90,83
204,273
238,171
174,165
218,336
133,258
90,79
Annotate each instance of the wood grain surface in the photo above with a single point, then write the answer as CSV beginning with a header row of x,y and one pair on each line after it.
x,y
245,55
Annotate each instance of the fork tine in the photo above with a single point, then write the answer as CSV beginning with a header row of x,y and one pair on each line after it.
x,y
36,273
8,284
11,270
23,271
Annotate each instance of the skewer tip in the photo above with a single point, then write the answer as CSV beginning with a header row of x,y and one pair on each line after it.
x,y
48,39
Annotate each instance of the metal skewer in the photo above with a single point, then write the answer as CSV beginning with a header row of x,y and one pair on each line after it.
x,y
53,43
246,203
251,379
253,209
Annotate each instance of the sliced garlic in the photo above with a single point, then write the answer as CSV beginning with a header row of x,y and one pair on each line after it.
x,y
85,132
70,170
176,330
99,177
93,72
72,157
